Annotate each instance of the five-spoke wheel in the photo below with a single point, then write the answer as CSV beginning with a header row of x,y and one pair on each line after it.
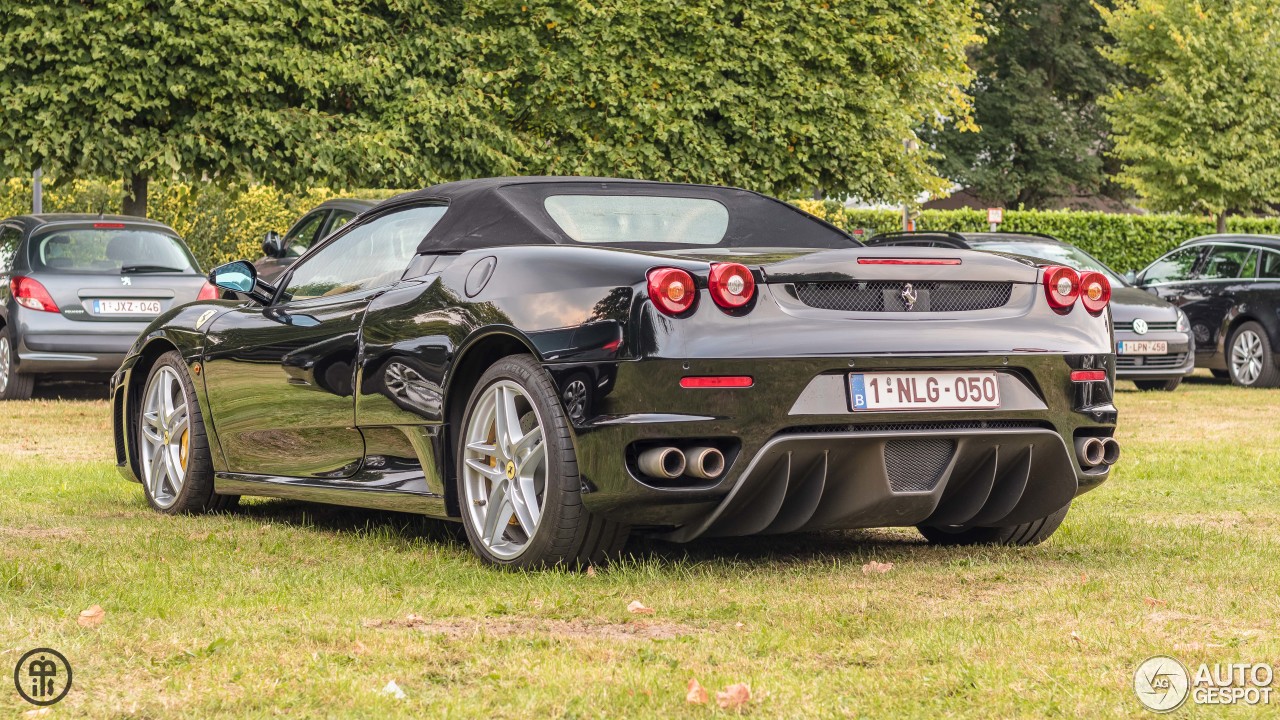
x,y
1249,357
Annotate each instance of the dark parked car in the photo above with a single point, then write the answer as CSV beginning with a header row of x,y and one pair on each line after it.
x,y
322,221
1154,343
75,291
750,369
1229,285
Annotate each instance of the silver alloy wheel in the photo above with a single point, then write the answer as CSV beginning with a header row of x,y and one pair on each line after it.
x,y
1246,357
504,474
165,429
6,363
575,400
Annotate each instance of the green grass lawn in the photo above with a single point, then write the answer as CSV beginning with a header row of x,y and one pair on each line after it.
x,y
287,609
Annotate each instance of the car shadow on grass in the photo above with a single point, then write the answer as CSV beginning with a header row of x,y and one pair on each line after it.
x,y
70,390
360,521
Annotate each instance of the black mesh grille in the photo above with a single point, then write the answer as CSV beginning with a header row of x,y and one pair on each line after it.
x,y
884,296
926,427
916,465
1151,361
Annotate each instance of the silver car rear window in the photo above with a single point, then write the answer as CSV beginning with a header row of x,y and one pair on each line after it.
x,y
638,218
108,251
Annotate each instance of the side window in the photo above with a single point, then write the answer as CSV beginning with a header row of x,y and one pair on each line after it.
x,y
9,237
1269,268
371,255
1250,268
1173,267
1225,262
340,218
303,233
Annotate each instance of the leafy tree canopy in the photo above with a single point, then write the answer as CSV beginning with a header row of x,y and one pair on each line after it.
x,y
1039,77
1197,128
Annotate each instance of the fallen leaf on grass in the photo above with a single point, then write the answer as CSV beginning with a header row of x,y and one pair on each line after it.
x,y
697,695
92,617
393,690
38,712
1077,637
741,625
638,608
876,567
591,571
734,696
1152,602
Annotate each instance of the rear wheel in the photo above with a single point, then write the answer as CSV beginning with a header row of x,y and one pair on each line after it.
x,y
1250,358
1165,385
1031,533
519,489
13,384
172,448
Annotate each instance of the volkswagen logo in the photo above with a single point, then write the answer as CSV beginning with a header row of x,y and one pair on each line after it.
x,y
1140,326
908,296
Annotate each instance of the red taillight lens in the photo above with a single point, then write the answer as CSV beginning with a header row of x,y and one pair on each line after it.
x,y
31,294
1061,287
716,381
1082,376
731,285
671,290
1095,292
208,292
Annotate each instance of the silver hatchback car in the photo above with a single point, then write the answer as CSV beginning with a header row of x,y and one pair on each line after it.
x,y
75,291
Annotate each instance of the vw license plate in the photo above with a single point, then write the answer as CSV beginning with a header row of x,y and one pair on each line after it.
x,y
924,391
1144,347
126,307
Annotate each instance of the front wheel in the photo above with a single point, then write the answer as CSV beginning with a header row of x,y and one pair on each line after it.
x,y
1031,533
519,489
1161,385
1250,359
175,465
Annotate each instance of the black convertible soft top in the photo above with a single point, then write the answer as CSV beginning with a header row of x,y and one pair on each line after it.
x,y
494,212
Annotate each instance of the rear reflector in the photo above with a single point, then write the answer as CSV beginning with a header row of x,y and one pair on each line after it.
x,y
109,226
1088,376
909,261
716,381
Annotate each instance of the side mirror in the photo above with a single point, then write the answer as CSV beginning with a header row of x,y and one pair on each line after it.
x,y
241,277
273,245
1131,277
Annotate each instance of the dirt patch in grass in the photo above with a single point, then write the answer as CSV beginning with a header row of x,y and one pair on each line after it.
x,y
455,628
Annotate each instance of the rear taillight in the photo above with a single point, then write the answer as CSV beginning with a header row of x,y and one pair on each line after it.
x,y
208,292
731,285
1095,292
672,290
29,293
1061,287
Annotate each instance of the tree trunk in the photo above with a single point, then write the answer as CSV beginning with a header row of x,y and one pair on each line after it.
x,y
135,195
1222,222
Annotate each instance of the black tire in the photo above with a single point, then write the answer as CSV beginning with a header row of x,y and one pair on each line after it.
x,y
1221,374
16,385
567,534
196,495
1161,385
1031,533
1269,375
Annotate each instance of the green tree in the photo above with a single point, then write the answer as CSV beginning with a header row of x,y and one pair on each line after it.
x,y
1197,127
1039,78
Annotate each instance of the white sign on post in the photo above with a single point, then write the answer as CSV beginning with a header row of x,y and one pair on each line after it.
x,y
995,216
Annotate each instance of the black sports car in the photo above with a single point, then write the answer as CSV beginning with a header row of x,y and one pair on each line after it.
x,y
1155,347
560,362
1229,285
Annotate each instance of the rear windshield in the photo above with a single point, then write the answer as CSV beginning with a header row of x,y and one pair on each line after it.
x,y
110,251
639,219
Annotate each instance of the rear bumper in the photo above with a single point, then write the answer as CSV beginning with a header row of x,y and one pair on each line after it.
x,y
798,458
50,343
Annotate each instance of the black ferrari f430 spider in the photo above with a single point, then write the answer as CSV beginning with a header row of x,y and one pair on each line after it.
x,y
561,362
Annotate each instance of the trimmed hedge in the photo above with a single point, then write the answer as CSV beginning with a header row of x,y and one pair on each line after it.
x,y
1125,242
221,223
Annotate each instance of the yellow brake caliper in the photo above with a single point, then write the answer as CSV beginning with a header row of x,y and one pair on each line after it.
x,y
184,448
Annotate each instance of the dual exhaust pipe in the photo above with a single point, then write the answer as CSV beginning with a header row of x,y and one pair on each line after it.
x,y
1095,451
669,463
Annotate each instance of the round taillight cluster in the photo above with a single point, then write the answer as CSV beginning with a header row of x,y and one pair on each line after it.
x,y
731,285
671,290
1063,286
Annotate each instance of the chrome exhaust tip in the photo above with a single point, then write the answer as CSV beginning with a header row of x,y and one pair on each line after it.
x,y
1090,450
667,463
705,463
1110,451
